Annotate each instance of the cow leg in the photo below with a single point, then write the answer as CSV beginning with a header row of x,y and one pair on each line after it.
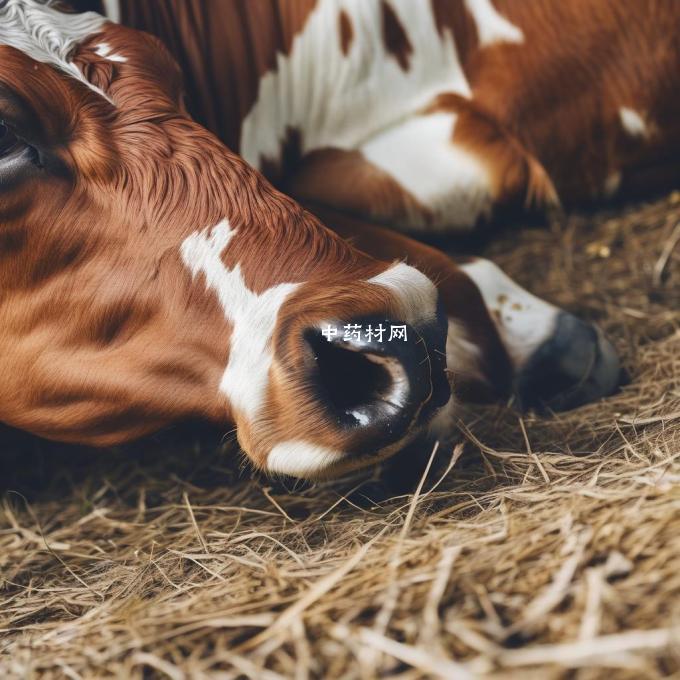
x,y
503,341
446,169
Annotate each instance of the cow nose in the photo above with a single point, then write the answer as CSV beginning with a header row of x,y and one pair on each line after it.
x,y
573,367
376,378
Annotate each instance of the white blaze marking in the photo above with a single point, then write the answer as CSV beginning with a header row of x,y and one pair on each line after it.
x,y
421,156
633,123
417,295
299,458
339,100
491,26
523,321
104,50
252,316
48,35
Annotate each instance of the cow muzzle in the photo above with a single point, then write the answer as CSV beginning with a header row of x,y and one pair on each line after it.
x,y
374,389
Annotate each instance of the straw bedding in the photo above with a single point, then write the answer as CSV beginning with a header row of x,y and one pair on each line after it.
x,y
524,547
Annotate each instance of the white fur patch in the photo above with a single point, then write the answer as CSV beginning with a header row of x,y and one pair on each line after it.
x,y
253,317
492,27
421,156
417,295
340,100
299,458
48,35
633,123
104,50
523,321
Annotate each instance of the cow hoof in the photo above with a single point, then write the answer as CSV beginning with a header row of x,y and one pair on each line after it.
x,y
575,366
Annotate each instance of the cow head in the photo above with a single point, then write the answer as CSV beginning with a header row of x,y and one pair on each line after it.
x,y
149,275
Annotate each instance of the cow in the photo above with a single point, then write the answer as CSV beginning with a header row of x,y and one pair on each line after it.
x,y
150,273
434,116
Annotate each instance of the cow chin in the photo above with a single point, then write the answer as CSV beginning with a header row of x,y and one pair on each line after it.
x,y
312,455
302,457
306,460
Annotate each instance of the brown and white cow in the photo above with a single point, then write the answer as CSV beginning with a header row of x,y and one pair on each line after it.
x,y
148,274
433,115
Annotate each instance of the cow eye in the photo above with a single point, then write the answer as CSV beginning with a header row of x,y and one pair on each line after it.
x,y
11,146
8,141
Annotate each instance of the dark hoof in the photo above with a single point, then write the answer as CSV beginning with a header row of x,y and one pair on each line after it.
x,y
577,365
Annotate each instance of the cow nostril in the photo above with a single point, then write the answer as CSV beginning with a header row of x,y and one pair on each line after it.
x,y
351,378
375,387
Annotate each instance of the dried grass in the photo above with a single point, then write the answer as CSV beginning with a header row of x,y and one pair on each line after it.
x,y
533,547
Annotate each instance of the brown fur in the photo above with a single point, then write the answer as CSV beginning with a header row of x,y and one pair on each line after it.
x,y
346,180
346,31
395,37
559,92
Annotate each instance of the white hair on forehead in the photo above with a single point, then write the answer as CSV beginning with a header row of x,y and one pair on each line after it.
x,y
44,33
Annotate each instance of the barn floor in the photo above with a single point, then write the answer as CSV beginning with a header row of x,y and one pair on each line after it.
x,y
534,547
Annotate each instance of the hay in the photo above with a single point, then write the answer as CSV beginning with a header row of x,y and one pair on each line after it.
x,y
531,546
